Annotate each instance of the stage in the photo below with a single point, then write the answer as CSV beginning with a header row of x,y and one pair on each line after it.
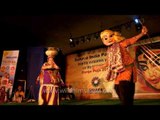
x,y
90,102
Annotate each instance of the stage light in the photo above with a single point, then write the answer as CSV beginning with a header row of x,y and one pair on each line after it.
x,y
95,36
136,21
138,24
70,40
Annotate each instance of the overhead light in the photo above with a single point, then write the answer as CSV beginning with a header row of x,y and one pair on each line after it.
x,y
70,40
96,35
136,21
138,24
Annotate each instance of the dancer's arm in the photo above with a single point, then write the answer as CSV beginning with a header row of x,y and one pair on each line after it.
x,y
134,39
98,67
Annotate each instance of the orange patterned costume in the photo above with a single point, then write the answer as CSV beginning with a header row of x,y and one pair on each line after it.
x,y
120,64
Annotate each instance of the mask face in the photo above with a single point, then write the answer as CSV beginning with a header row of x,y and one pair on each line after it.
x,y
110,37
107,37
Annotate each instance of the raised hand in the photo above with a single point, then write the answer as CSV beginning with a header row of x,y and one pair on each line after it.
x,y
144,30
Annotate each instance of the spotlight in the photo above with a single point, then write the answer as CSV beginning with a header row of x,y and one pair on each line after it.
x,y
138,24
136,21
71,42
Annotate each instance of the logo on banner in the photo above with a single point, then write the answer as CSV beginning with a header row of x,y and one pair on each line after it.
x,y
95,81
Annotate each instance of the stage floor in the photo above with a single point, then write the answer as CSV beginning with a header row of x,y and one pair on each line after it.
x,y
93,102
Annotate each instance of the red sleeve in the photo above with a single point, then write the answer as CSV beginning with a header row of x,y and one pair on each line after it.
x,y
127,42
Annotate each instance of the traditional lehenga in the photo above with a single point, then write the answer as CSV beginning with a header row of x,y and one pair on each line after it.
x,y
50,80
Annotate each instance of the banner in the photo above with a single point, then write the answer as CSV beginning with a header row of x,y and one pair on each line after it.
x,y
148,69
87,83
8,69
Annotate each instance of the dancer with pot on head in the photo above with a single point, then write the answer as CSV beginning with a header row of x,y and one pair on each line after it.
x,y
50,80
